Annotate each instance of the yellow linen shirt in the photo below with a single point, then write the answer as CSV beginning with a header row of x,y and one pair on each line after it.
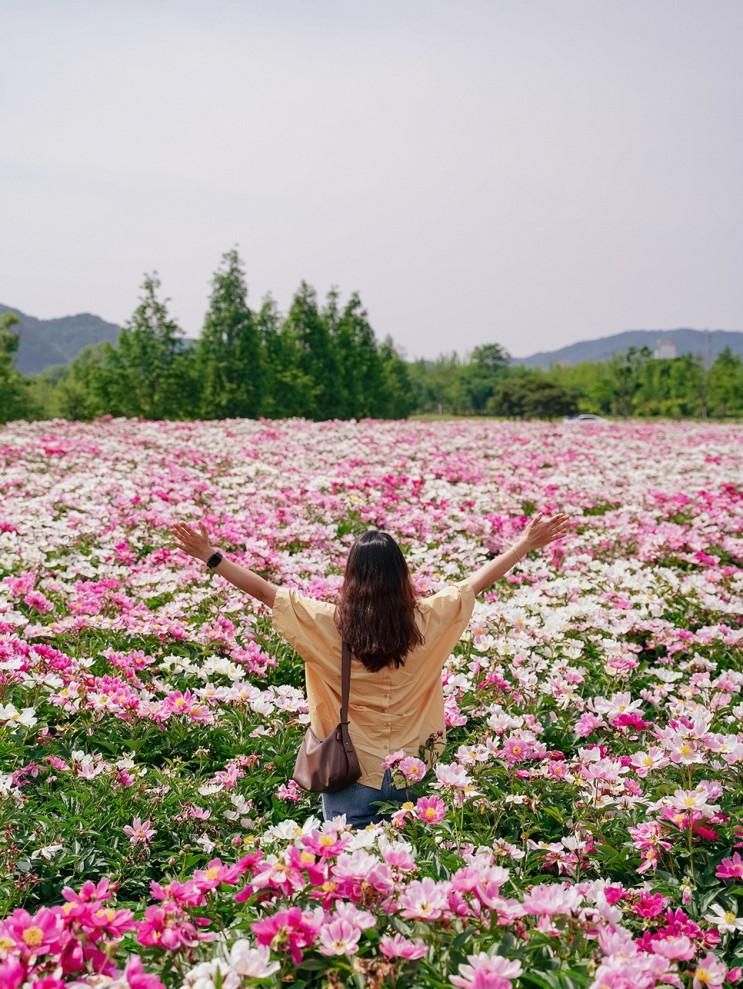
x,y
390,710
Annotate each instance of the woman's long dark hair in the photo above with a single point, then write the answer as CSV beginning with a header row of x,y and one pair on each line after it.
x,y
375,614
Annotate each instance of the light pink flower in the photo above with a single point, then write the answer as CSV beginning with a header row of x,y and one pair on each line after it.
x,y
486,971
424,899
710,973
140,832
675,948
338,938
412,769
400,947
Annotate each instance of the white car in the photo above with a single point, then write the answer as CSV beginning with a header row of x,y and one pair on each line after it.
x,y
585,417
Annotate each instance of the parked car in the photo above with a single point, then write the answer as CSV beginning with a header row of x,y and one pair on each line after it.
x,y
585,417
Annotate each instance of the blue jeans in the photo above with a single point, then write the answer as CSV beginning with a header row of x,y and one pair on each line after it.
x,y
355,801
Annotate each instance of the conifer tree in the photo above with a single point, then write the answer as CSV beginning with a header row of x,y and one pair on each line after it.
x,y
268,327
361,364
15,402
228,353
149,372
312,355
398,392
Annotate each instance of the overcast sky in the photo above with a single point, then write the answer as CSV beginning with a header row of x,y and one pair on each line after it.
x,y
534,172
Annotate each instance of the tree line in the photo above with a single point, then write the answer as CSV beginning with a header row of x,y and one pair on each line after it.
x,y
633,383
323,361
318,361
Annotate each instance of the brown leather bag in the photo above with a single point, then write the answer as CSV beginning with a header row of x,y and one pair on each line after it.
x,y
329,765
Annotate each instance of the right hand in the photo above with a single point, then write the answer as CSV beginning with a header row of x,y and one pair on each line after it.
x,y
195,543
541,531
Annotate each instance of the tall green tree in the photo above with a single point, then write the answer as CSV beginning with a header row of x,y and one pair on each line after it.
x,y
397,402
627,370
15,400
268,326
228,354
725,381
84,390
150,371
362,380
479,378
435,383
310,347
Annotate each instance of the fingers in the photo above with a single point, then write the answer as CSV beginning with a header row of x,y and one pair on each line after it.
x,y
183,533
183,529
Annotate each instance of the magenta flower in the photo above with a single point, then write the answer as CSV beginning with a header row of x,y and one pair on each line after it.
x,y
34,934
292,929
137,977
430,810
12,973
730,868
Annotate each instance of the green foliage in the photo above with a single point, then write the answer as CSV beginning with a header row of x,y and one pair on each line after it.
x,y
149,373
228,356
532,396
15,399
323,361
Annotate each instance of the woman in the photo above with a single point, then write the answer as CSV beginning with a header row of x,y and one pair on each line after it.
x,y
399,644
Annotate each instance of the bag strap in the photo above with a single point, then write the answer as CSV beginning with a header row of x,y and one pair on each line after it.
x,y
345,681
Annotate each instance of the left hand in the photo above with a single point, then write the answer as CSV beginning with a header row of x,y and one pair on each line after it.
x,y
190,541
541,531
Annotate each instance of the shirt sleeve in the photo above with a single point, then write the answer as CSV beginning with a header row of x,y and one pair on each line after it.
x,y
449,611
306,624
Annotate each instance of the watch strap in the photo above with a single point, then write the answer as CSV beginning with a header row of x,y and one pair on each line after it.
x,y
214,559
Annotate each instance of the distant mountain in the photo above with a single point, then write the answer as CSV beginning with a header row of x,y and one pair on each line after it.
x,y
44,342
664,343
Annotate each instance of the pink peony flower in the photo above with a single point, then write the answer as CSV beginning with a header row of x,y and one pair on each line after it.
x,y
34,934
709,973
292,928
412,769
549,899
675,947
424,899
137,977
140,832
730,868
400,947
338,938
486,971
12,973
430,810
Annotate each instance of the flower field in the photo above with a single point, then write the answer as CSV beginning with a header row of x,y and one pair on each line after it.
x,y
583,826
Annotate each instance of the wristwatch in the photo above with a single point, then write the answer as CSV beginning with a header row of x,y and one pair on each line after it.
x,y
214,559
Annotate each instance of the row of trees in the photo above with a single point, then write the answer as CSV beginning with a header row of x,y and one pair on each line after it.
x,y
323,361
317,361
633,383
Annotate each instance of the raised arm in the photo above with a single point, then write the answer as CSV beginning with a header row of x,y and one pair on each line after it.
x,y
197,544
539,532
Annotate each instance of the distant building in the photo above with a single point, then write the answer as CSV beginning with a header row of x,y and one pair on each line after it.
x,y
665,349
